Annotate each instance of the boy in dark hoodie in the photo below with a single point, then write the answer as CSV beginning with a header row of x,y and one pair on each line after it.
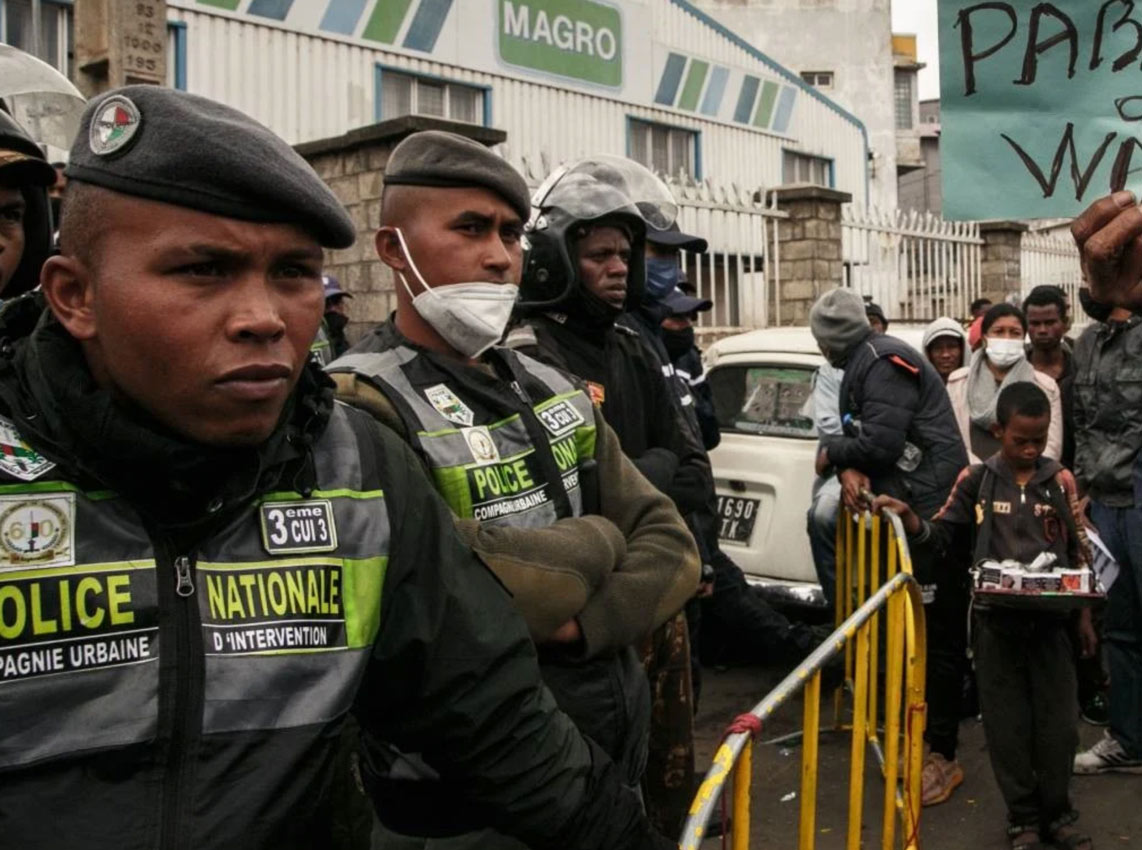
x,y
1019,504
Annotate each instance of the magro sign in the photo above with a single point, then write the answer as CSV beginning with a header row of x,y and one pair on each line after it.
x,y
578,39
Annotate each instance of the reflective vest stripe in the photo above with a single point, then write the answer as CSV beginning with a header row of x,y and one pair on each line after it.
x,y
490,471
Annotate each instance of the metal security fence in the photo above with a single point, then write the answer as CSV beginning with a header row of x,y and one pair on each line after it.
x,y
739,273
1051,258
915,265
879,590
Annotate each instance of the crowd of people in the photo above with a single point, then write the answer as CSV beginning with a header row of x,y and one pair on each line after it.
x,y
1002,438
258,582
473,557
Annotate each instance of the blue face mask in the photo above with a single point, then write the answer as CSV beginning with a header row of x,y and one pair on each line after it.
x,y
662,276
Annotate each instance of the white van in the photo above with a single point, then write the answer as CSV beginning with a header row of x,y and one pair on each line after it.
x,y
764,465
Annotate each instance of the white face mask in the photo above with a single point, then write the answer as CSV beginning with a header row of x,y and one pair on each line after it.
x,y
1004,352
471,317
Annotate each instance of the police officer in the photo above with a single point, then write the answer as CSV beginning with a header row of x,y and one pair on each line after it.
x,y
25,219
206,564
587,266
594,556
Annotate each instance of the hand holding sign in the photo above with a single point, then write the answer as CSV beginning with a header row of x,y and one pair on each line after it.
x,y
1041,105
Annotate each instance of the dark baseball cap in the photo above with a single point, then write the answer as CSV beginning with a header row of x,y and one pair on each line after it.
x,y
681,304
672,237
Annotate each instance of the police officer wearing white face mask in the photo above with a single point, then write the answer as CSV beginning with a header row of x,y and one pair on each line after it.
x,y
595,557
999,362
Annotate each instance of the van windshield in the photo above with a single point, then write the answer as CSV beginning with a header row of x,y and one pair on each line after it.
x,y
768,400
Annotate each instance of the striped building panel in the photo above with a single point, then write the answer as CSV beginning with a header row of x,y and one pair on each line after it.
x,y
764,113
342,16
671,79
427,24
386,20
746,99
274,9
695,80
784,109
715,91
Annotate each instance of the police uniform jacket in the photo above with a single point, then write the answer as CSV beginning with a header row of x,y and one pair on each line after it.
x,y
541,488
637,400
184,629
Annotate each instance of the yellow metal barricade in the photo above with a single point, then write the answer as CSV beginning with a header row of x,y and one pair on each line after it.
x,y
866,593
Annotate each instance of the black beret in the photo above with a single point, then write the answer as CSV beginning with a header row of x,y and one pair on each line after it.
x,y
186,150
436,158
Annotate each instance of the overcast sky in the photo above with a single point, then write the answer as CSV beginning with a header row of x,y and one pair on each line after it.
x,y
919,17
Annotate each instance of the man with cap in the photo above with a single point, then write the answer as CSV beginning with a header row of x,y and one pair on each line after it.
x,y
594,556
25,218
900,439
876,318
206,564
330,342
677,334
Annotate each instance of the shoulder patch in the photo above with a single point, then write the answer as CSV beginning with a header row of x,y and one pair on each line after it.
x,y
897,360
17,458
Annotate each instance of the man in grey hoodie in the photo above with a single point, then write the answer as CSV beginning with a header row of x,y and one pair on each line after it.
x,y
945,345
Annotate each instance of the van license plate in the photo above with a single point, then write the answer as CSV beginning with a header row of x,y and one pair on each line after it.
x,y
736,516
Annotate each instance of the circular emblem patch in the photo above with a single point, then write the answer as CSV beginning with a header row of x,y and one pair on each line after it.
x,y
480,442
114,125
33,531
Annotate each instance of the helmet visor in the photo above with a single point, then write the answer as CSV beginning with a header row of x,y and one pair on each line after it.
x,y
603,185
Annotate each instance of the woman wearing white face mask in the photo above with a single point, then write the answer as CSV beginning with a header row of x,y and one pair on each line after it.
x,y
1000,361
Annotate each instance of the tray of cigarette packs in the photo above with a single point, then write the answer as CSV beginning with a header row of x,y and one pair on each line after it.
x,y
1041,585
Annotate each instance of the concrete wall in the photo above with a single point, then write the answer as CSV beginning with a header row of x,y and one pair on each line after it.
x,y
851,38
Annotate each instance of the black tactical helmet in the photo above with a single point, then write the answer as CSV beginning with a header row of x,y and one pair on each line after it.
x,y
591,192
33,181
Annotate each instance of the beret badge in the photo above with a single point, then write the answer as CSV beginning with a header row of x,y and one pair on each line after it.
x,y
115,126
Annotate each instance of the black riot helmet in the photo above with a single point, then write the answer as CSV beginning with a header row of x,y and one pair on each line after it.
x,y
23,167
595,191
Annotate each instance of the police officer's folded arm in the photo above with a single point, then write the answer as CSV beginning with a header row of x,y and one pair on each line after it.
x,y
551,572
891,398
661,568
453,676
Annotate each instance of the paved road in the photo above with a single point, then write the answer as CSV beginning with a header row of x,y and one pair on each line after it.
x,y
1111,806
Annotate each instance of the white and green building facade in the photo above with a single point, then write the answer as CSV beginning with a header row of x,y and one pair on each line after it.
x,y
657,80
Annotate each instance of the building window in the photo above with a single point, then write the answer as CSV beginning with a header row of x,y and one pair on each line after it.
x,y
818,79
669,150
18,29
408,94
804,168
903,101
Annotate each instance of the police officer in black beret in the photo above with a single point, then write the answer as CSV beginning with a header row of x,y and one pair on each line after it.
x,y
206,564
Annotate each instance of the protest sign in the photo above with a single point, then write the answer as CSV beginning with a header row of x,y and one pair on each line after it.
x,y
1041,105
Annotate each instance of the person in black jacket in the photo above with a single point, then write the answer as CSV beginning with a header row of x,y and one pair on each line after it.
x,y
207,564
900,439
584,268
25,217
